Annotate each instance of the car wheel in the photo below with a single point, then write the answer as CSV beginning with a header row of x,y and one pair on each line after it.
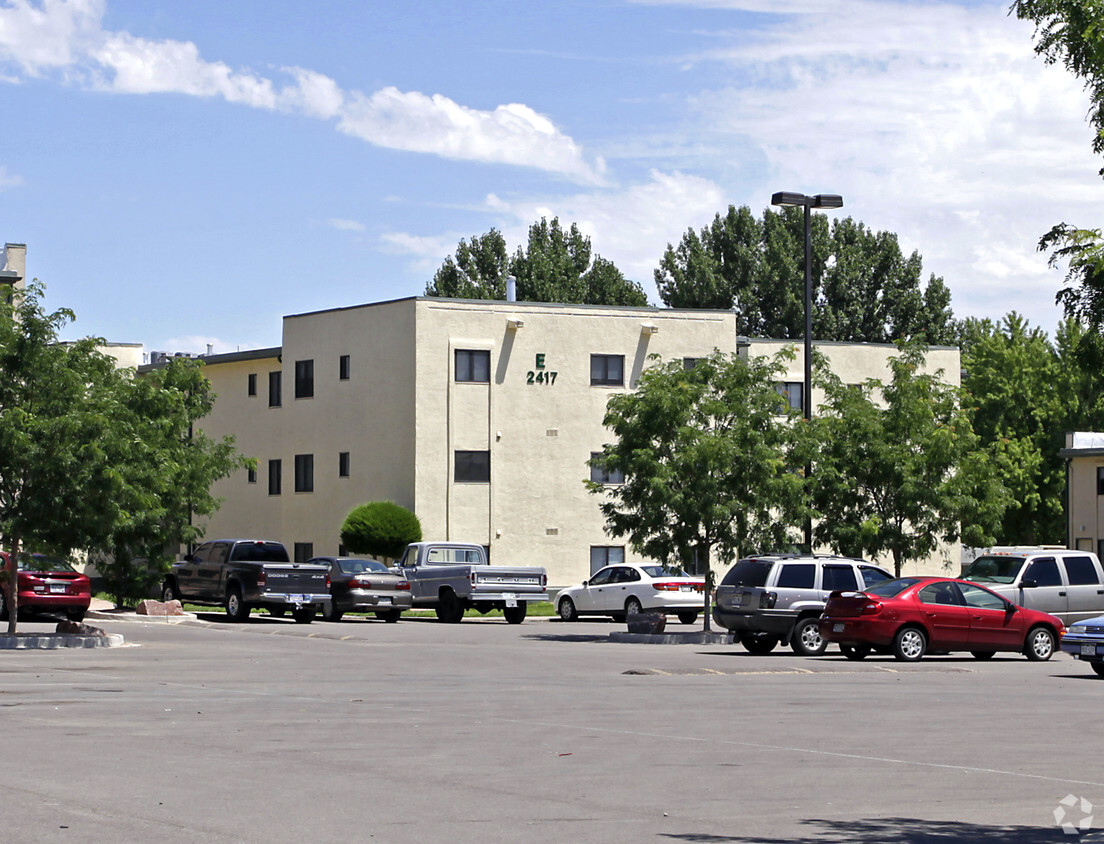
x,y
331,612
75,613
1098,667
687,617
1039,645
632,606
909,644
450,610
516,615
390,616
982,654
236,608
567,611
758,643
855,651
169,592
304,615
806,639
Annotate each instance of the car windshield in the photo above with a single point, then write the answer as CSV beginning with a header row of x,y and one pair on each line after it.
x,y
892,588
748,573
993,569
663,571
40,562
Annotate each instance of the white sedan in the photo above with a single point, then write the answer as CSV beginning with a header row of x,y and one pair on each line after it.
x,y
625,589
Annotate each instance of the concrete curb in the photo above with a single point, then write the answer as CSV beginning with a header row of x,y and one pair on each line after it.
x,y
699,638
52,641
133,617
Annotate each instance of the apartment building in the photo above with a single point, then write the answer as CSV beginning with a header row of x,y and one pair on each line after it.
x,y
479,416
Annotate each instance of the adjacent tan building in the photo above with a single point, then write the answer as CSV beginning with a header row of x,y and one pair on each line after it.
x,y
1084,454
479,416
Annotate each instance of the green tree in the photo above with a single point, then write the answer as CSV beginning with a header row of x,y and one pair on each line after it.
x,y
165,467
864,288
556,265
710,458
900,468
1071,32
380,529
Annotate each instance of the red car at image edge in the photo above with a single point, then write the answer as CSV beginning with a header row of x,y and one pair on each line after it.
x,y
48,584
911,616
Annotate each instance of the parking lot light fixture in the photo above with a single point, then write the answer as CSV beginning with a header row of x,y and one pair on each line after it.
x,y
788,199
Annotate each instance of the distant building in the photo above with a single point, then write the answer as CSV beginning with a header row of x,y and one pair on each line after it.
x,y
13,268
1084,454
479,416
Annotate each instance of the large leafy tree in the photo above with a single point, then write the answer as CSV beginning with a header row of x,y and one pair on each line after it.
x,y
164,468
865,289
1071,32
900,469
556,265
87,454
711,460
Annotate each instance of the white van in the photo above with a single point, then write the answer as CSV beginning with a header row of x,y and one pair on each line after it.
x,y
1068,584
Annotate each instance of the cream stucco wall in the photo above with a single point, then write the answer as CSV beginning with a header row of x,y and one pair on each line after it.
x,y
402,416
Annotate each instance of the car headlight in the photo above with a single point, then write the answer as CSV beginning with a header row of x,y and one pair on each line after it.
x,y
1076,630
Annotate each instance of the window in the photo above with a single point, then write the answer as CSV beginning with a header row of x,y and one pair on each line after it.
x,y
252,389
981,598
343,368
275,390
944,593
690,363
872,575
473,467
1081,571
304,473
838,578
607,370
797,576
624,574
605,476
343,464
303,551
274,467
605,555
304,379
791,391
251,476
1044,572
1100,480
473,366
601,578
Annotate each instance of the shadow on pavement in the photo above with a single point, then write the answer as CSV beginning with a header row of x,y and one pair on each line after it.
x,y
568,637
890,831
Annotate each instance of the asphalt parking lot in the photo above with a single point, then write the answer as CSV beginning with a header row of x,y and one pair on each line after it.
x,y
545,731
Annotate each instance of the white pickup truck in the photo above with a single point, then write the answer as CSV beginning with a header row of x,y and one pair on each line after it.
x,y
451,577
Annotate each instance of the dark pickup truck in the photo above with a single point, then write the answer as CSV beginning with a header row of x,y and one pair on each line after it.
x,y
241,574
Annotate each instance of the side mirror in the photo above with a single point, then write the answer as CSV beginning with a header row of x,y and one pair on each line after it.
x,y
586,583
1028,584
1010,608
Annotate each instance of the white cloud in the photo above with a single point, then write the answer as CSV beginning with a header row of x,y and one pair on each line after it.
x,y
630,226
67,35
345,225
9,180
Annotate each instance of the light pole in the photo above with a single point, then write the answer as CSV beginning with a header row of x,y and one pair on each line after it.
x,y
800,200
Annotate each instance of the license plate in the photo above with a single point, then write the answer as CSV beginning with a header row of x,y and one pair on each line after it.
x,y
385,601
685,588
511,599
837,627
1088,650
58,588
297,599
741,599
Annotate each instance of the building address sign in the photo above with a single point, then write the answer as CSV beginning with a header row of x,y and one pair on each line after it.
x,y
539,374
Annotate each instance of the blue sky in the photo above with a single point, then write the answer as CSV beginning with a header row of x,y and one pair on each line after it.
x,y
184,174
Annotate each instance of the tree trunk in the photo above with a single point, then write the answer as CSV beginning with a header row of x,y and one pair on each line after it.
x,y
13,586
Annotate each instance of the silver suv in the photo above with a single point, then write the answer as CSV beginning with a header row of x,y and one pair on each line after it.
x,y
779,597
1068,584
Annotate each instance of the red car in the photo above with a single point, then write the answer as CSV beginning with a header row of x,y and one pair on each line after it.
x,y
913,615
50,584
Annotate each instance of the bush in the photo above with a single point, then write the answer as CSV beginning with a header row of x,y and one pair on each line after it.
x,y
380,529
